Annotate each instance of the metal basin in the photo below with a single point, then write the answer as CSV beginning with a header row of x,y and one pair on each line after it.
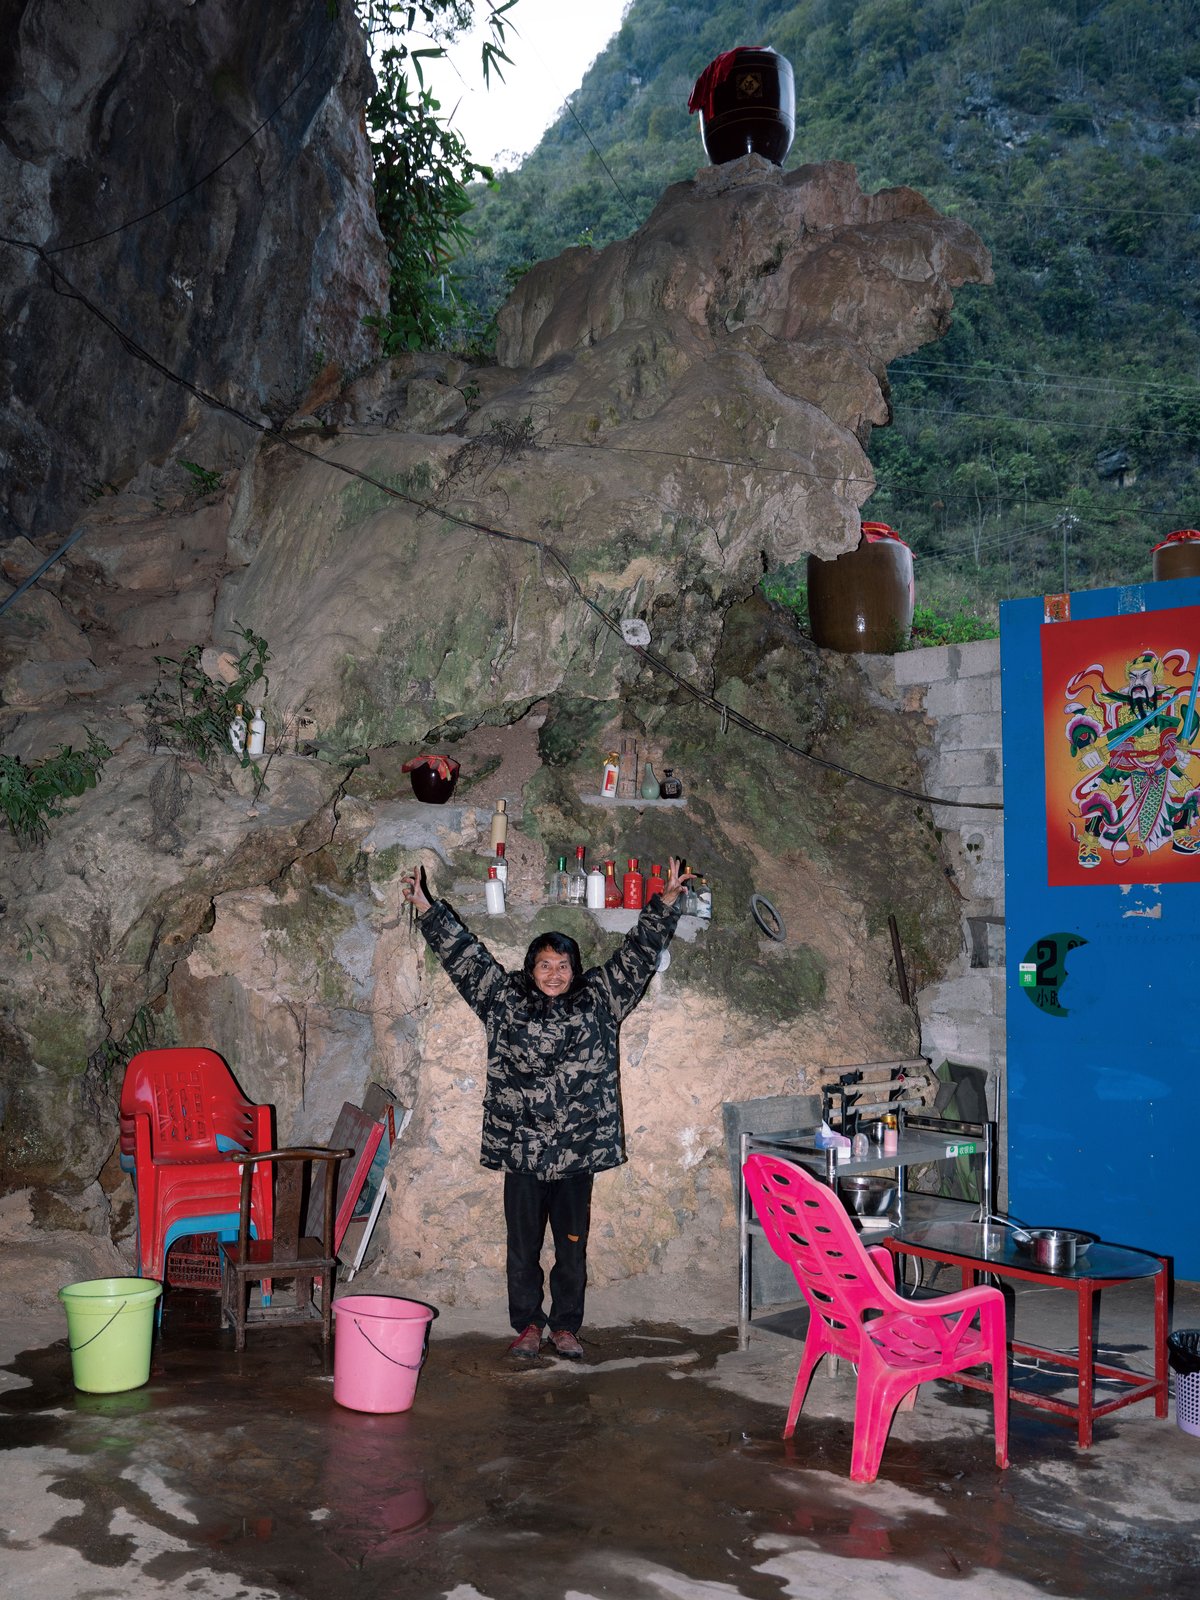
x,y
1057,1249
866,1196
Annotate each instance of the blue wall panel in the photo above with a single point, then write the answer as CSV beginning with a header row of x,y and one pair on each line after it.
x,y
1103,1100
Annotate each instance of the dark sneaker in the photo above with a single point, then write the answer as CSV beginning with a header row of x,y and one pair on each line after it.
x,y
527,1343
566,1345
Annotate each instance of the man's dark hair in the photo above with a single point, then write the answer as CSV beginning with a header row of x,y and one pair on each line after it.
x,y
563,945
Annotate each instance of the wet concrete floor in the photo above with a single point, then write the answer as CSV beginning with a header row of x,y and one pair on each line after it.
x,y
655,1468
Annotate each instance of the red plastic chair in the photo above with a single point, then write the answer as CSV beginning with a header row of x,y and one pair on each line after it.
x,y
184,1122
856,1314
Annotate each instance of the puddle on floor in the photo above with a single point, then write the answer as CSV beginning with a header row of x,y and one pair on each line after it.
x,y
526,1481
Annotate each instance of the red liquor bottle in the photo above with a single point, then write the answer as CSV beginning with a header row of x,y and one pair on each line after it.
x,y
632,885
612,889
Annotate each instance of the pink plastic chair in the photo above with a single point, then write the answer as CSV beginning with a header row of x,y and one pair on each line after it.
x,y
856,1314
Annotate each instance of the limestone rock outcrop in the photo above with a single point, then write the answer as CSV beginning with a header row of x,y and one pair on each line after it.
x,y
671,414
442,554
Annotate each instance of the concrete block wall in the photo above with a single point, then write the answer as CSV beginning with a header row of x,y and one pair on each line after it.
x,y
956,689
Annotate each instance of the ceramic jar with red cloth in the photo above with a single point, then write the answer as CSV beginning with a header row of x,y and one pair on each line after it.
x,y
432,778
863,600
747,104
1178,556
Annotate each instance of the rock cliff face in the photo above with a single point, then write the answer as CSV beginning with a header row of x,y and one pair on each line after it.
x,y
672,414
201,172
417,550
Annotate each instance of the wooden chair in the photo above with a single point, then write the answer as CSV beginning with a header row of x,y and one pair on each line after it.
x,y
286,1254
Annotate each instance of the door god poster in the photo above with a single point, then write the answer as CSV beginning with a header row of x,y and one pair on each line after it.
x,y
1121,721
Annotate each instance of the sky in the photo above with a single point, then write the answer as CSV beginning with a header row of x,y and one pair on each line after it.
x,y
551,44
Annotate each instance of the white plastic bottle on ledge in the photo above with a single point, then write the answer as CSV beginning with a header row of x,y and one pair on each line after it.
x,y
494,894
595,890
256,741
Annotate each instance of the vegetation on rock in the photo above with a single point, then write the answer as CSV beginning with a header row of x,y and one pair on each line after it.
x,y
421,165
188,709
32,794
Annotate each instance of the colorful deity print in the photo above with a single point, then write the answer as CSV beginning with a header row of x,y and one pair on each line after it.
x,y
1123,771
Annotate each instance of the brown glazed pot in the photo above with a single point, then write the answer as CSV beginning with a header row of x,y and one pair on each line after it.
x,y
1178,556
753,108
428,785
863,600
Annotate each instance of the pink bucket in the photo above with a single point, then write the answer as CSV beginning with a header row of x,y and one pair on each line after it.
x,y
379,1350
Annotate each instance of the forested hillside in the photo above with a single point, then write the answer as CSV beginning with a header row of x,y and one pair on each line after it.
x,y
1054,435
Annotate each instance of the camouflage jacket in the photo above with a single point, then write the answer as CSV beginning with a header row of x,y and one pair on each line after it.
x,y
552,1104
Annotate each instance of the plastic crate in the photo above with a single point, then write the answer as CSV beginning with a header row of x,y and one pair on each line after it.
x,y
195,1262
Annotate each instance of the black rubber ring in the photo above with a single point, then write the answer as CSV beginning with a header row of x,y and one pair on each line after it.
x,y
768,919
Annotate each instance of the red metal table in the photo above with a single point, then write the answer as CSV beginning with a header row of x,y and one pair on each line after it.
x,y
977,1247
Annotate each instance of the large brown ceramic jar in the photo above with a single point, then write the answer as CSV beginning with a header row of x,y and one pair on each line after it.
x,y
1178,556
747,104
863,600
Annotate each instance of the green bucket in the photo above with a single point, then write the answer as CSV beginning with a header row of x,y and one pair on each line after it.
x,y
110,1328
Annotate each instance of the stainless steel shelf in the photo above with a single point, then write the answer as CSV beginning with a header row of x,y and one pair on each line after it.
x,y
924,1140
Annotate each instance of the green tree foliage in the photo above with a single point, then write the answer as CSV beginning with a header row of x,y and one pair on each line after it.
x,y
1066,133
421,166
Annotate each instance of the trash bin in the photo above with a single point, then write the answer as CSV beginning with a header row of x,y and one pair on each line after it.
x,y
1183,1353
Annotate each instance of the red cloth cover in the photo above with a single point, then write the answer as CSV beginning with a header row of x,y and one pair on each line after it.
x,y
713,76
873,532
1180,536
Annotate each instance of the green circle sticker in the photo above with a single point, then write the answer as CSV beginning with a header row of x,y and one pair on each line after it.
x,y
1044,970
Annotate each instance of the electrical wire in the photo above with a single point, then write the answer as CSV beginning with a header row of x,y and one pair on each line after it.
x,y
728,714
1097,426
1034,376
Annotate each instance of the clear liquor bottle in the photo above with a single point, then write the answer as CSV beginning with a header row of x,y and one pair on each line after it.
x,y
577,881
558,883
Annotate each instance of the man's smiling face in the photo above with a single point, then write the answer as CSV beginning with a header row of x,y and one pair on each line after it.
x,y
552,972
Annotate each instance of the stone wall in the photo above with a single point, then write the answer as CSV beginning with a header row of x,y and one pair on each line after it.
x,y
956,688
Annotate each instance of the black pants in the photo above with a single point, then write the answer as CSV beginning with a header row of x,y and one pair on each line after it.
x,y
529,1203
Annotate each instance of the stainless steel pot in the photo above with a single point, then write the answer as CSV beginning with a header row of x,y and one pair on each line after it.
x,y
1057,1249
866,1196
